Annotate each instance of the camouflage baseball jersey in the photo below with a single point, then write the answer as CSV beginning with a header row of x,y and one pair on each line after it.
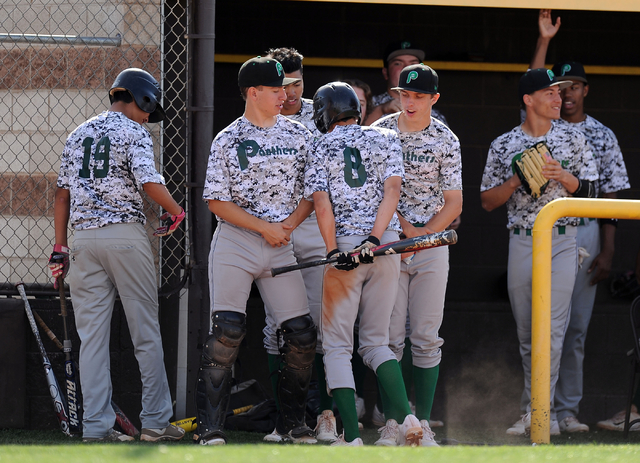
x,y
305,117
566,144
608,157
351,163
377,100
105,163
259,169
432,164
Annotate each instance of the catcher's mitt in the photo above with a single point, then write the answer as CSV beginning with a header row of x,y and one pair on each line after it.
x,y
528,166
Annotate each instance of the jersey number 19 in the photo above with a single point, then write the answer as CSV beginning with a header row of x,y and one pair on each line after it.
x,y
100,156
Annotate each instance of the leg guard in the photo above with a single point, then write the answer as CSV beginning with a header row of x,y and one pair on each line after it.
x,y
214,377
300,337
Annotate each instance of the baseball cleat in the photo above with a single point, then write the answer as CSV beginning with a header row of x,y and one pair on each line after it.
x,y
326,427
388,434
522,427
427,435
113,436
341,442
377,418
616,422
571,424
410,432
170,433
273,437
360,409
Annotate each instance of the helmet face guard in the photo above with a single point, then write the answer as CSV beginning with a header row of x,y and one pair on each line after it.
x,y
144,89
333,103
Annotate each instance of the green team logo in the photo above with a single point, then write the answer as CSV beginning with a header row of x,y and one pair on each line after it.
x,y
550,74
405,45
565,69
413,75
279,68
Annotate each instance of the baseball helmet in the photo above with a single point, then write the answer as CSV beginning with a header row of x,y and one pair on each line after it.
x,y
144,89
334,102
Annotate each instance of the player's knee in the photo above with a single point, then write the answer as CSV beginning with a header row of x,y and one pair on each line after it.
x,y
300,337
221,348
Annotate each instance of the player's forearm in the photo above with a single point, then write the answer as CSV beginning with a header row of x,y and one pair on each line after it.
x,y
540,53
61,212
300,214
160,195
497,196
452,208
234,214
388,206
326,219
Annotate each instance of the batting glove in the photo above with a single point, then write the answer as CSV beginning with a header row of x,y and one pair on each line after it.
x,y
345,260
171,223
365,254
59,263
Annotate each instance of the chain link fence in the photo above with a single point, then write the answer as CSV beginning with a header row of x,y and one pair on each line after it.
x,y
58,58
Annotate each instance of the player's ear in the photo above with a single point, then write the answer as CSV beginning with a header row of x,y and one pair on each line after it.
x,y
434,98
585,90
526,99
385,73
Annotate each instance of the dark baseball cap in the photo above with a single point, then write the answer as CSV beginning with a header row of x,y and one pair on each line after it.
x,y
263,71
570,70
401,48
538,79
418,78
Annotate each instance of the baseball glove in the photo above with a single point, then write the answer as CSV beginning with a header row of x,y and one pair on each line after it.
x,y
528,166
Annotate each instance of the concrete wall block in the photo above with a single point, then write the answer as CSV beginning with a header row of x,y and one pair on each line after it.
x,y
66,106
14,152
45,150
104,19
68,18
141,23
31,110
31,18
12,245
6,115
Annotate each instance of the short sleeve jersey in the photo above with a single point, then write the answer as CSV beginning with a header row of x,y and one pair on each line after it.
x,y
105,163
432,165
566,144
351,163
377,100
606,152
305,117
259,169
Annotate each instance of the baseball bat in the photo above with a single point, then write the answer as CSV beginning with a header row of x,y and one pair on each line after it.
x,y
121,419
74,407
191,424
54,388
416,243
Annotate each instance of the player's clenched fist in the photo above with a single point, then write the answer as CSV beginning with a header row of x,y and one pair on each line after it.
x,y
365,254
345,260
59,262
171,223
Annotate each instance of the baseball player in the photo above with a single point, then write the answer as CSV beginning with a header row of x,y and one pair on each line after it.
x,y
105,164
254,186
397,56
430,200
354,177
307,246
596,265
568,169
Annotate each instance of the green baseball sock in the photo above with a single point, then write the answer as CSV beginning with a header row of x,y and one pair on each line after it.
x,y
425,380
390,379
274,367
346,403
407,366
326,402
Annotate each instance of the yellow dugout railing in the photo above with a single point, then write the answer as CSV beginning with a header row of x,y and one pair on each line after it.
x,y
541,294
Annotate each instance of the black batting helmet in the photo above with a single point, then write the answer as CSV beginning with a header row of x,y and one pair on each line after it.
x,y
334,102
144,89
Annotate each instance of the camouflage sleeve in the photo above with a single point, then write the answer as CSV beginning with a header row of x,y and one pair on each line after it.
x,y
586,164
493,174
613,171
217,181
315,175
142,161
451,167
394,166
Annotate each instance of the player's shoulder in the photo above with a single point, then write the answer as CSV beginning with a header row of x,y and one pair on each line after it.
x,y
565,132
593,124
379,132
442,130
389,121
514,135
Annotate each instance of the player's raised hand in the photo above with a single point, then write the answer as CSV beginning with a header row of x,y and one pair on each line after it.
x,y
545,24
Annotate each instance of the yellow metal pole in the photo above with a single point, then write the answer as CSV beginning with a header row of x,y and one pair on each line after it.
x,y
541,294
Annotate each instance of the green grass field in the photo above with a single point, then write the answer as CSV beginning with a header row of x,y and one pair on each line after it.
x,y
489,445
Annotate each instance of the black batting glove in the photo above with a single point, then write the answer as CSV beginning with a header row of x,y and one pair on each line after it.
x,y
345,261
365,254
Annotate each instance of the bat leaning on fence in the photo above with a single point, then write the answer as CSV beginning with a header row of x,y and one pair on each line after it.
x,y
416,243
54,389
121,418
